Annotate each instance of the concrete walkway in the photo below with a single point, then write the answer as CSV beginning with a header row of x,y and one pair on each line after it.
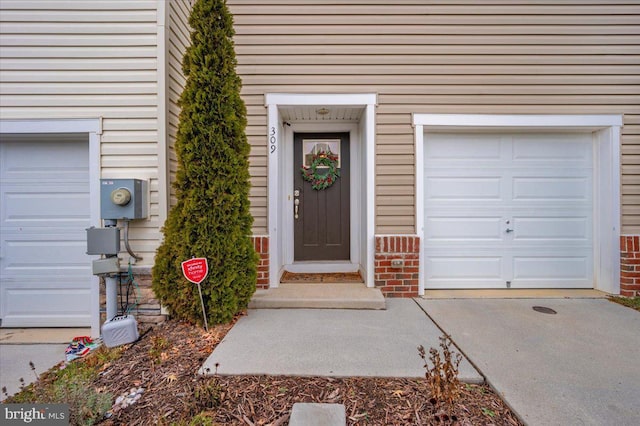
x,y
43,346
580,366
330,342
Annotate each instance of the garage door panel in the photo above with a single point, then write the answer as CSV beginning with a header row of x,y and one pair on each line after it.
x,y
45,208
33,304
568,149
552,271
464,272
552,228
463,148
466,267
29,253
35,161
457,189
463,228
536,189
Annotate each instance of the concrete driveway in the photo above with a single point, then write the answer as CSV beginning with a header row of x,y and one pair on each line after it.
x,y
43,346
580,366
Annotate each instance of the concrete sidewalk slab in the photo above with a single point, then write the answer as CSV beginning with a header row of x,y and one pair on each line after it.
x,y
579,366
14,363
337,343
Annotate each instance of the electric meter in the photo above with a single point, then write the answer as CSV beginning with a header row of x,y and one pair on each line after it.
x,y
125,199
120,196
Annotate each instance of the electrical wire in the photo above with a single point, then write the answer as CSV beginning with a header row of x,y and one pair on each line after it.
x,y
126,241
132,286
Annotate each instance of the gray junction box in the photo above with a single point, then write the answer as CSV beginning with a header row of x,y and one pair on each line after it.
x,y
104,241
123,199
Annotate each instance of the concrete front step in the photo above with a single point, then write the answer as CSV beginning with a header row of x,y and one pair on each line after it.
x,y
319,296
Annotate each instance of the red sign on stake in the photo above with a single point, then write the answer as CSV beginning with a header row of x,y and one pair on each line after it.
x,y
196,269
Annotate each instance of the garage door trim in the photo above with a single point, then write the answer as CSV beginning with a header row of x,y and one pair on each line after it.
x,y
606,134
93,128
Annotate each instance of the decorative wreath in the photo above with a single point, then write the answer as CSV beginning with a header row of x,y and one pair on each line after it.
x,y
321,181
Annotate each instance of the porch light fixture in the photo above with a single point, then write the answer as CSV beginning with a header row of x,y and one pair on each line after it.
x,y
322,111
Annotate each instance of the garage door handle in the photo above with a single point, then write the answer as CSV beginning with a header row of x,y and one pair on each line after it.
x,y
509,230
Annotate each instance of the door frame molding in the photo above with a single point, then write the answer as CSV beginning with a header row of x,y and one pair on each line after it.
x,y
93,128
280,176
605,130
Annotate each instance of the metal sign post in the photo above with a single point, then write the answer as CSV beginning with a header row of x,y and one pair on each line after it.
x,y
195,270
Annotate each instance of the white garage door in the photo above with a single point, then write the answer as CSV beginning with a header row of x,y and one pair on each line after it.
x,y
45,271
510,210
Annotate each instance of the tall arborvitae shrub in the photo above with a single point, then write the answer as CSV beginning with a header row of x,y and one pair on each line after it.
x,y
211,218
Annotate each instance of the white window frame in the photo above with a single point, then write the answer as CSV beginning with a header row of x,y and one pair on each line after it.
x,y
606,135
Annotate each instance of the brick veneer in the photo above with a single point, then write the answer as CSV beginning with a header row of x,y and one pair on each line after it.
x,y
397,281
630,265
261,245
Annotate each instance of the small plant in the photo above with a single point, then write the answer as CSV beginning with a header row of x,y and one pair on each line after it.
x,y
631,302
488,412
33,368
71,385
159,345
86,405
207,394
442,373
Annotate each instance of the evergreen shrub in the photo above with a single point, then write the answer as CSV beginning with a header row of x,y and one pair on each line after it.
x,y
211,216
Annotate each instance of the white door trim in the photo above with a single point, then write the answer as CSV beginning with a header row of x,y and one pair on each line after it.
x,y
606,135
280,181
93,128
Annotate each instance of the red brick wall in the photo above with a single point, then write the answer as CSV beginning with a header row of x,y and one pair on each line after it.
x,y
397,281
630,265
261,245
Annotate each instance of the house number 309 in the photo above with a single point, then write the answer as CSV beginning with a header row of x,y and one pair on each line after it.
x,y
272,140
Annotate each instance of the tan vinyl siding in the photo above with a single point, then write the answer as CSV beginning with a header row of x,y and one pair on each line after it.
x,y
178,40
421,56
79,59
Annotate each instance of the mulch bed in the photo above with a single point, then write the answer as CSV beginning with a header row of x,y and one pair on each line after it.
x,y
165,363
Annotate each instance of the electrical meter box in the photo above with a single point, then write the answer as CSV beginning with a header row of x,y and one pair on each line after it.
x,y
123,199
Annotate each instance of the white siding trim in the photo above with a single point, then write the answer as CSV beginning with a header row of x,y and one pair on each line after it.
x,y
470,121
93,127
282,99
370,194
163,157
419,198
275,183
274,142
606,133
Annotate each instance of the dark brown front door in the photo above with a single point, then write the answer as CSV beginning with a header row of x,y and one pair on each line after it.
x,y
321,230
